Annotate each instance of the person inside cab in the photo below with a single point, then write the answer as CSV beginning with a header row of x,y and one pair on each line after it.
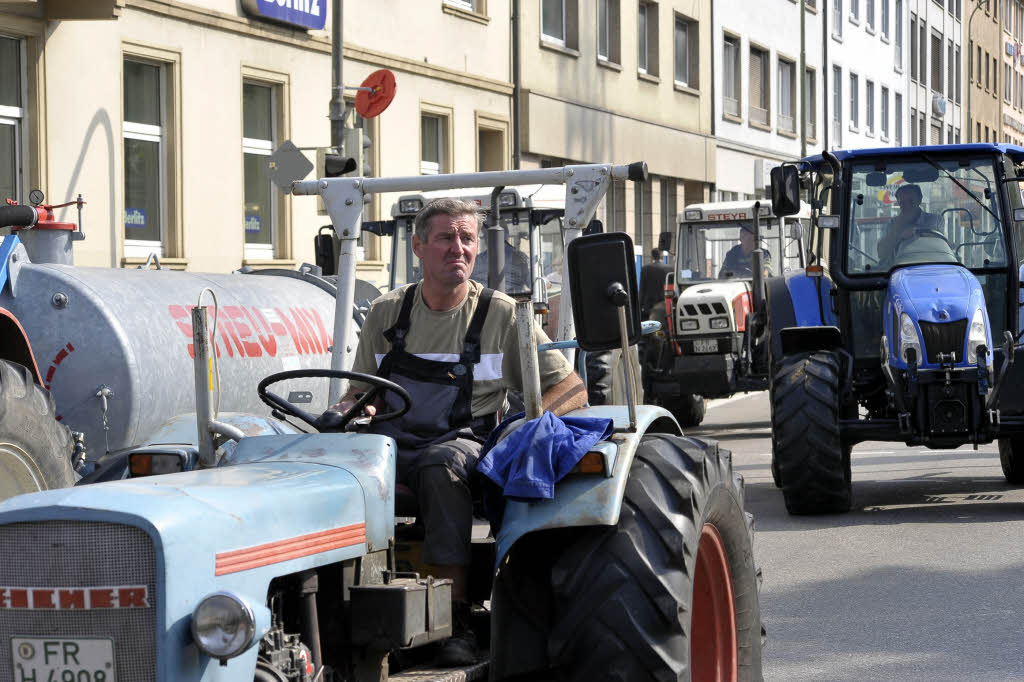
x,y
652,284
453,345
738,261
908,223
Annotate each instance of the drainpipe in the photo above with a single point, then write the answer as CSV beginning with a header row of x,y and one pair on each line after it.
x,y
337,107
825,122
803,83
517,145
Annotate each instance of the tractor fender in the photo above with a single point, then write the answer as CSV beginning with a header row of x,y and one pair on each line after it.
x,y
15,346
586,500
798,319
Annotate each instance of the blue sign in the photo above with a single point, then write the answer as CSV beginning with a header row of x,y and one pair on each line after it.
x,y
311,14
135,218
252,223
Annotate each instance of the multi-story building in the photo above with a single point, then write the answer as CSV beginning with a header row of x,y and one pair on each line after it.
x,y
867,57
985,72
934,65
1012,51
766,112
161,115
620,81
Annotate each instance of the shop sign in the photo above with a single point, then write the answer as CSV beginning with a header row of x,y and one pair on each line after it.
x,y
308,14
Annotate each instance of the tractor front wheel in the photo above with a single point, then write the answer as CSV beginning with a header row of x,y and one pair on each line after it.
x,y
1011,457
671,591
813,465
35,449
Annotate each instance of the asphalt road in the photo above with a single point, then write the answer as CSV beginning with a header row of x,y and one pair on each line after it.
x,y
922,580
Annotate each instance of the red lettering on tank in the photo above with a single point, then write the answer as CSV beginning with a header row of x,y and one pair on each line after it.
x,y
268,342
316,326
242,330
179,313
61,354
299,316
301,345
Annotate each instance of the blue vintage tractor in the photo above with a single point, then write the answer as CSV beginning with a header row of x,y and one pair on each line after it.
x,y
904,326
236,553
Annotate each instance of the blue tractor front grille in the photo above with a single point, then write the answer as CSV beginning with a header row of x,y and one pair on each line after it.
x,y
945,338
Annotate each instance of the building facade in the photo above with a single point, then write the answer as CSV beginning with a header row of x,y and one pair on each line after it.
x,y
162,115
1012,46
985,72
617,81
765,111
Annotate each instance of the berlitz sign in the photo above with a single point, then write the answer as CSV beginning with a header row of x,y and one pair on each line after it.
x,y
309,14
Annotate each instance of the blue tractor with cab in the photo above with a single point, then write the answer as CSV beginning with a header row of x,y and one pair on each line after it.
x,y
903,326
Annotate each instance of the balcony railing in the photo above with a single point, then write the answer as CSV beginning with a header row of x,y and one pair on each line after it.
x,y
837,133
731,106
787,124
758,115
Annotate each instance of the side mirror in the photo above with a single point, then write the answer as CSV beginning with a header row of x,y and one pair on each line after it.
x,y
602,278
665,241
785,190
595,226
323,248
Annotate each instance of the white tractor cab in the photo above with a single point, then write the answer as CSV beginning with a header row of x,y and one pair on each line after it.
x,y
710,296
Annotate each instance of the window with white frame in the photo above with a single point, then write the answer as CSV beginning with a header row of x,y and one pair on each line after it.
x,y
855,10
259,137
869,107
936,65
12,117
885,17
810,105
686,42
897,113
884,113
897,20
647,37
145,158
958,80
837,18
731,75
787,95
552,21
837,105
854,100
760,85
869,13
913,48
604,30
468,5
433,144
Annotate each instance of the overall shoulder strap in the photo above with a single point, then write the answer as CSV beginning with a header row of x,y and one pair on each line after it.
x,y
471,344
396,334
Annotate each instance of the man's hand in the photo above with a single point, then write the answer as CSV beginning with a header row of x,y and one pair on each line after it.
x,y
348,402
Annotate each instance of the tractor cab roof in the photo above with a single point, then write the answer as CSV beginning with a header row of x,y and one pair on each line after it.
x,y
815,162
731,211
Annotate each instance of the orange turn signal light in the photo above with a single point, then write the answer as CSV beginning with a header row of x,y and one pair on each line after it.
x,y
591,463
815,270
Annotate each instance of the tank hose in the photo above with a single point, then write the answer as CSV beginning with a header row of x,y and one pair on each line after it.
x,y
18,216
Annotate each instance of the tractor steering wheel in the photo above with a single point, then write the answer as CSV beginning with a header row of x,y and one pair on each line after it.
x,y
332,421
928,232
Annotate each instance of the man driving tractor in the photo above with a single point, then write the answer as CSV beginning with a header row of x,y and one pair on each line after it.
x,y
453,345
910,219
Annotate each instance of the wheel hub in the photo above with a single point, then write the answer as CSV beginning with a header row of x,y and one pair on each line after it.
x,y
713,620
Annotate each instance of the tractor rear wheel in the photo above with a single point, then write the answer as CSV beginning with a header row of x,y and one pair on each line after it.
x,y
671,591
35,449
813,464
688,409
1011,457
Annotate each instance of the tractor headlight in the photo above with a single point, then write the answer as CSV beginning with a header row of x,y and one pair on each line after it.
x,y
909,338
976,337
223,625
688,325
719,322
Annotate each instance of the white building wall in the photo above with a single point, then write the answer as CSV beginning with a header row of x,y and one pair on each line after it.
x,y
942,107
773,26
859,47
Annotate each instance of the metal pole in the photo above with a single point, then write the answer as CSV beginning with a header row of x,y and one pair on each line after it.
x,y
495,245
975,71
627,360
337,107
803,84
203,369
825,123
528,358
517,132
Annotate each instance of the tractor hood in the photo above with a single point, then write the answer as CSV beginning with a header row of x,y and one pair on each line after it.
x,y
936,293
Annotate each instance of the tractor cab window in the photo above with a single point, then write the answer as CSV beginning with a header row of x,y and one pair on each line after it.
x,y
924,210
552,248
722,250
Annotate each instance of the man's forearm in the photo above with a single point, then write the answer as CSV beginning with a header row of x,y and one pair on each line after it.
x,y
567,395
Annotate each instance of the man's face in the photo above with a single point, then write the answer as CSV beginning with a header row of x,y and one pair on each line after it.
x,y
448,254
909,201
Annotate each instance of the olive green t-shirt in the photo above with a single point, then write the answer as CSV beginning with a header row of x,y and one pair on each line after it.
x,y
438,336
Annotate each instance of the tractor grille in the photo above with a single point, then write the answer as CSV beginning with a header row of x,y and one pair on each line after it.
x,y
82,554
943,337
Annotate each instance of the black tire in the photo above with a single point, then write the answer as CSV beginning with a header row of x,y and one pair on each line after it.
x,y
35,449
623,596
813,464
688,409
1011,457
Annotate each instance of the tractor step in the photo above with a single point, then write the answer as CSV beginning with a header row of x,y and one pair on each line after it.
x,y
423,673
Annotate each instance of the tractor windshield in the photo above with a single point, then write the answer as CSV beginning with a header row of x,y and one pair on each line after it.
x,y
924,210
722,250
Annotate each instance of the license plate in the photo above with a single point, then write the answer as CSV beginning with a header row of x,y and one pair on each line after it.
x,y
705,345
60,659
